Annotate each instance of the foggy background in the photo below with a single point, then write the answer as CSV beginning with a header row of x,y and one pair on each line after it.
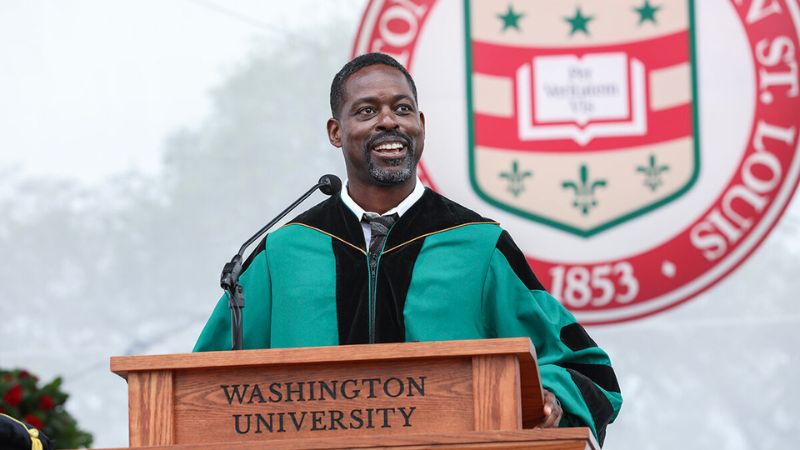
x,y
142,141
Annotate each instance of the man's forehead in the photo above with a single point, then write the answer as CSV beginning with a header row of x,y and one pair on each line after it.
x,y
375,76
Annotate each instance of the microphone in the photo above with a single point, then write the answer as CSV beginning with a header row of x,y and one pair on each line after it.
x,y
229,279
330,184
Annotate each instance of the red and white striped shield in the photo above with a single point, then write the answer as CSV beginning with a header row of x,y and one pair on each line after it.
x,y
581,117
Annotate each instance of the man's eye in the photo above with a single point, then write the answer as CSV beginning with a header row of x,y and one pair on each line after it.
x,y
366,111
404,108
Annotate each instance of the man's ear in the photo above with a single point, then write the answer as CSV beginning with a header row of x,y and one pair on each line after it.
x,y
421,142
334,132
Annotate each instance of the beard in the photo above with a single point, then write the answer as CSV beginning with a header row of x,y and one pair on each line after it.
x,y
399,170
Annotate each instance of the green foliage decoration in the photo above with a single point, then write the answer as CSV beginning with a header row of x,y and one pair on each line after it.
x,y
23,398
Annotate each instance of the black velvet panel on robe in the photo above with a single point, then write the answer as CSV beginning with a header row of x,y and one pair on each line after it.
x,y
597,402
516,259
576,338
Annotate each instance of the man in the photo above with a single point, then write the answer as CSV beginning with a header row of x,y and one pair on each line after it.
x,y
391,261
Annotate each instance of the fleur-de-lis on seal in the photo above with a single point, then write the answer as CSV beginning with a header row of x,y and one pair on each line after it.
x,y
652,173
584,190
516,179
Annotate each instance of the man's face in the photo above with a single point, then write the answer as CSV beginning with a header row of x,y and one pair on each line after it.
x,y
380,129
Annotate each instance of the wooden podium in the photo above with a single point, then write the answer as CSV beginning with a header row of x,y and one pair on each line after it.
x,y
453,394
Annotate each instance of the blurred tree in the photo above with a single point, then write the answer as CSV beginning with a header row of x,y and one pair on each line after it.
x,y
139,256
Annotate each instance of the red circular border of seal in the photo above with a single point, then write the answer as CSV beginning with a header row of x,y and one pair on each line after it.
x,y
738,220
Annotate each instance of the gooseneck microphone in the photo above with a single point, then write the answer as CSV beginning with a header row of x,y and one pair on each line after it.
x,y
229,280
329,184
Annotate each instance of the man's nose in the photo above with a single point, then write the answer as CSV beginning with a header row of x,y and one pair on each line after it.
x,y
387,120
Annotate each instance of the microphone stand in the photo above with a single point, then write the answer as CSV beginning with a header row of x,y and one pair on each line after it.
x,y
229,280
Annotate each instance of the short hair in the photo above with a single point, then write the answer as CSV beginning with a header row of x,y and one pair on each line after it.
x,y
356,64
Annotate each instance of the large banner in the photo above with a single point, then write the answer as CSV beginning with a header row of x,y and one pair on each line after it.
x,y
637,150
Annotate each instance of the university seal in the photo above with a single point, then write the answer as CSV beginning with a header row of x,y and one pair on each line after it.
x,y
637,150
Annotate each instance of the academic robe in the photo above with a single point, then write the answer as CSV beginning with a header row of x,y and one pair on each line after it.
x,y
444,273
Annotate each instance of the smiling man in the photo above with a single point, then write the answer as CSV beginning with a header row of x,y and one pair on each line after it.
x,y
379,129
388,260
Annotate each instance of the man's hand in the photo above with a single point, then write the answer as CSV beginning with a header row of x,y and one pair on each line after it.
x,y
552,411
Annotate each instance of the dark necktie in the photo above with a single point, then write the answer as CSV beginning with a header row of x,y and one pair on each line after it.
x,y
379,226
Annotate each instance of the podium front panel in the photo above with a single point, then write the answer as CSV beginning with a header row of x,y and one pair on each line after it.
x,y
337,392
280,402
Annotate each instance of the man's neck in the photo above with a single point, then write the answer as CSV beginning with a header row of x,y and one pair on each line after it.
x,y
379,199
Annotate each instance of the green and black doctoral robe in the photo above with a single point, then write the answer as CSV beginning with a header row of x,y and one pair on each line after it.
x,y
444,273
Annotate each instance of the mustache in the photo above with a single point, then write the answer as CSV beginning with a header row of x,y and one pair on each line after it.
x,y
390,135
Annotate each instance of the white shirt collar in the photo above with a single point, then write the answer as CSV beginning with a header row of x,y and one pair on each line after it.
x,y
400,209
